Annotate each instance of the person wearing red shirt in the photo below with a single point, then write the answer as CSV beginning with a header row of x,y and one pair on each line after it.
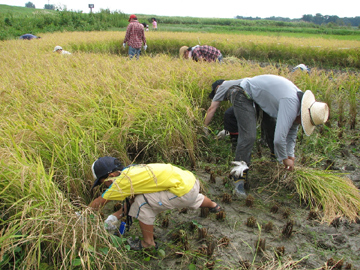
x,y
201,53
134,37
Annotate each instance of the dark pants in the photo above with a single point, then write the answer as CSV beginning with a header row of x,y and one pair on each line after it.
x,y
268,124
246,114
230,123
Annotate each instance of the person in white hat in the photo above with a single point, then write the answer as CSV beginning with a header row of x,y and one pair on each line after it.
x,y
154,188
280,99
60,50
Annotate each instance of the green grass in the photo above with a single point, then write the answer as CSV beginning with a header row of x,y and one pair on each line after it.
x,y
16,11
21,20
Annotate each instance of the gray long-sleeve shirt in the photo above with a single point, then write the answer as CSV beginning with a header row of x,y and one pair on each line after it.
x,y
277,96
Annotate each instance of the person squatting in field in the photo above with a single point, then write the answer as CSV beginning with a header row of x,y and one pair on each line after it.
x,y
153,188
201,53
280,99
60,50
29,37
134,37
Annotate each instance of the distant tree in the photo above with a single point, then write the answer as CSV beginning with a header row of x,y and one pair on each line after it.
x,y
331,19
29,5
318,19
52,7
307,18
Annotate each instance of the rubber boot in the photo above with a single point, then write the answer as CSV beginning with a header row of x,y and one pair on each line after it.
x,y
239,187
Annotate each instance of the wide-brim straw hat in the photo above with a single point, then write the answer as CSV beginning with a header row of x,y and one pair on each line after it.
x,y
313,113
182,50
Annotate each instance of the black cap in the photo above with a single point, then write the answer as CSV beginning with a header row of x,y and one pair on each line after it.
x,y
103,166
213,87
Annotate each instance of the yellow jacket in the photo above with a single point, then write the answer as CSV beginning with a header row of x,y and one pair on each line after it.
x,y
150,178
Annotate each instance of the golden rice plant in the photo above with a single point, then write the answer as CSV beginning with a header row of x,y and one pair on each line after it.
x,y
38,222
334,194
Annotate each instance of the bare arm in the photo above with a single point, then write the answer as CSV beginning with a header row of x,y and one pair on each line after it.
x,y
98,203
211,112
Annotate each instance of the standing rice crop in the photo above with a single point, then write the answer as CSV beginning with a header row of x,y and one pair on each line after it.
x,y
60,113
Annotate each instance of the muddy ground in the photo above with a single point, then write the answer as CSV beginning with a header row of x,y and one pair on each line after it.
x,y
289,235
311,243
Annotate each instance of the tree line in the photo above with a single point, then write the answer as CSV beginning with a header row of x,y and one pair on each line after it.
x,y
318,19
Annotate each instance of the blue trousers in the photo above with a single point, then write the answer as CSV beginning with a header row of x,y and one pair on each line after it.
x,y
134,52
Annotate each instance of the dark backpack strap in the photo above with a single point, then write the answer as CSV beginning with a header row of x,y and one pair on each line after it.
x,y
128,218
300,95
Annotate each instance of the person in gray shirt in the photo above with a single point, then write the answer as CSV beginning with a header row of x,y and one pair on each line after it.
x,y
280,99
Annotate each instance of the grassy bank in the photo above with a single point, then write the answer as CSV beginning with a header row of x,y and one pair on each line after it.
x,y
15,21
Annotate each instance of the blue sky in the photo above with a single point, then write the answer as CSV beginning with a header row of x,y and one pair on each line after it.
x,y
213,9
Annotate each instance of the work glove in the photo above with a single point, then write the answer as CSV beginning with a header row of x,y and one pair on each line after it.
x,y
145,47
124,45
222,134
238,170
110,223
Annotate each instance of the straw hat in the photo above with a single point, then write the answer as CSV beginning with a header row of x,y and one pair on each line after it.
x,y
313,113
182,50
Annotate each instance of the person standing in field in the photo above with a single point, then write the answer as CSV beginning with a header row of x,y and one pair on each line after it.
x,y
201,53
153,188
134,37
280,99
154,23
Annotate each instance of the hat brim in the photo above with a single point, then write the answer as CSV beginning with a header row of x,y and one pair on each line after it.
x,y
97,182
307,100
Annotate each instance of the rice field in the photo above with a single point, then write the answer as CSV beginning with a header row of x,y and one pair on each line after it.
x,y
61,112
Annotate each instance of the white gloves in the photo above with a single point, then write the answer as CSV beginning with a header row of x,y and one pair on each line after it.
x,y
110,223
124,45
222,134
145,47
240,167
